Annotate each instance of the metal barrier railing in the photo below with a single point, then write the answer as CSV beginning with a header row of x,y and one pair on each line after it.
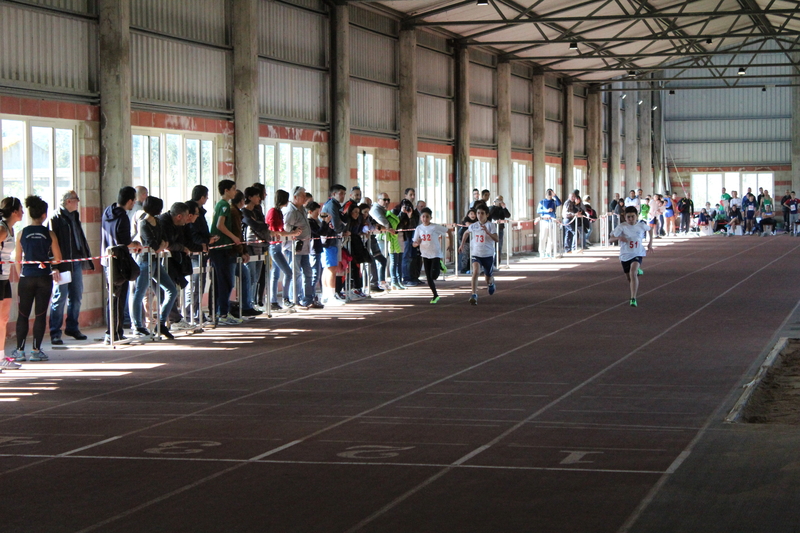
x,y
551,238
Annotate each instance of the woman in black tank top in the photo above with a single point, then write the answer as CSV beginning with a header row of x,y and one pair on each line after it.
x,y
36,284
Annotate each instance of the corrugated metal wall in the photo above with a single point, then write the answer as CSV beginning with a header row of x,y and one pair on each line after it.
x,y
279,97
166,70
554,113
178,74
724,127
483,99
77,6
374,87
521,111
579,121
48,52
204,21
293,48
553,141
435,88
435,118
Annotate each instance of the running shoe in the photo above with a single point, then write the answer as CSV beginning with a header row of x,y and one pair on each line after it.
x,y
316,305
411,283
435,300
358,294
9,364
18,355
182,325
633,303
274,306
640,272
333,302
398,287
443,266
38,355
492,288
473,299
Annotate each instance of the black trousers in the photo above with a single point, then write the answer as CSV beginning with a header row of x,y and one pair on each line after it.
x,y
33,289
119,305
433,268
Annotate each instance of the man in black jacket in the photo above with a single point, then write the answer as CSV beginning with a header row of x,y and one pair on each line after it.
x,y
66,224
116,231
199,237
179,265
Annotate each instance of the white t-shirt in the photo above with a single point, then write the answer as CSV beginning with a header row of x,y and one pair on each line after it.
x,y
481,245
428,236
737,202
635,202
636,236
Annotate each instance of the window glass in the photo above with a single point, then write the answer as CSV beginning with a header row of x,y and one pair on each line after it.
x,y
432,185
285,165
192,163
174,170
207,164
551,180
13,132
141,168
155,166
519,200
42,157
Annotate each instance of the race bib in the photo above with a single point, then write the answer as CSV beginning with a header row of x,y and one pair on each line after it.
x,y
793,208
751,207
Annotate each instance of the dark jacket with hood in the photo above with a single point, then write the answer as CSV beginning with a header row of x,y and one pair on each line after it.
x,y
116,228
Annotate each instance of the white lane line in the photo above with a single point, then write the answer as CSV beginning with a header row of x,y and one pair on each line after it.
x,y
336,463
678,462
76,450
398,500
515,445
447,408
625,412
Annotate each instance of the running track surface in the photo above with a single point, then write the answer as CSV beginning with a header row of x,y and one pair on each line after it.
x,y
551,406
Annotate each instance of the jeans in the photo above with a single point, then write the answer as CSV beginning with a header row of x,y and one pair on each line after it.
x,y
686,218
302,278
38,289
194,291
147,279
246,281
279,266
254,269
72,291
501,233
222,263
395,262
315,261
409,254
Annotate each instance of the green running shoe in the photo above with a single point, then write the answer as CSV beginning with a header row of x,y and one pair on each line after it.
x,y
435,300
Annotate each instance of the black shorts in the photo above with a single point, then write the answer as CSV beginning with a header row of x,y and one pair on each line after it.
x,y
626,265
5,289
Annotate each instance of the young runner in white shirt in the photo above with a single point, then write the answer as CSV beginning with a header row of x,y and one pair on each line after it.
x,y
631,234
426,238
483,235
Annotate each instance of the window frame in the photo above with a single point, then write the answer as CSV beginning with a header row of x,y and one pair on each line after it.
x,y
519,188
54,200
440,205
311,187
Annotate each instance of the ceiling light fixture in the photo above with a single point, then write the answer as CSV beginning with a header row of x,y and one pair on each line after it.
x,y
483,2
631,73
742,71
640,102
624,95
763,89
708,41
655,107
573,45
672,91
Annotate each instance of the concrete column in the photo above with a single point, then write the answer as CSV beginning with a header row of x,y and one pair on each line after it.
x,y
594,150
646,142
504,179
462,189
616,179
631,142
116,158
659,172
407,114
538,139
568,155
244,32
340,79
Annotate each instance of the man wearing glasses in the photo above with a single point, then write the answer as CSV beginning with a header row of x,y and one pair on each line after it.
x,y
66,224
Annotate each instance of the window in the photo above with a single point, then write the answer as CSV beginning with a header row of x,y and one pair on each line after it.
x,y
171,164
577,173
365,162
286,165
519,193
481,175
551,178
38,158
432,185
708,187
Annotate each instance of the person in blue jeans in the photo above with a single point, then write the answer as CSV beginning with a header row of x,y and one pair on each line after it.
x,y
279,263
409,223
152,237
66,225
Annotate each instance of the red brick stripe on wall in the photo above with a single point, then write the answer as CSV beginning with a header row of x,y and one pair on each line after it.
x,y
552,160
433,148
374,142
764,168
146,119
292,134
387,175
483,152
521,156
90,214
90,163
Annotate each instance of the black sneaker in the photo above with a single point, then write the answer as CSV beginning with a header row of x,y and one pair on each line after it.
x,y
164,330
251,312
77,335
274,306
56,342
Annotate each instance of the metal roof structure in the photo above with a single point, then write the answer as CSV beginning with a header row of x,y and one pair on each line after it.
x,y
595,41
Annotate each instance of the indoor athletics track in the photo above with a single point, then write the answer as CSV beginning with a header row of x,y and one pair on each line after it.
x,y
552,406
